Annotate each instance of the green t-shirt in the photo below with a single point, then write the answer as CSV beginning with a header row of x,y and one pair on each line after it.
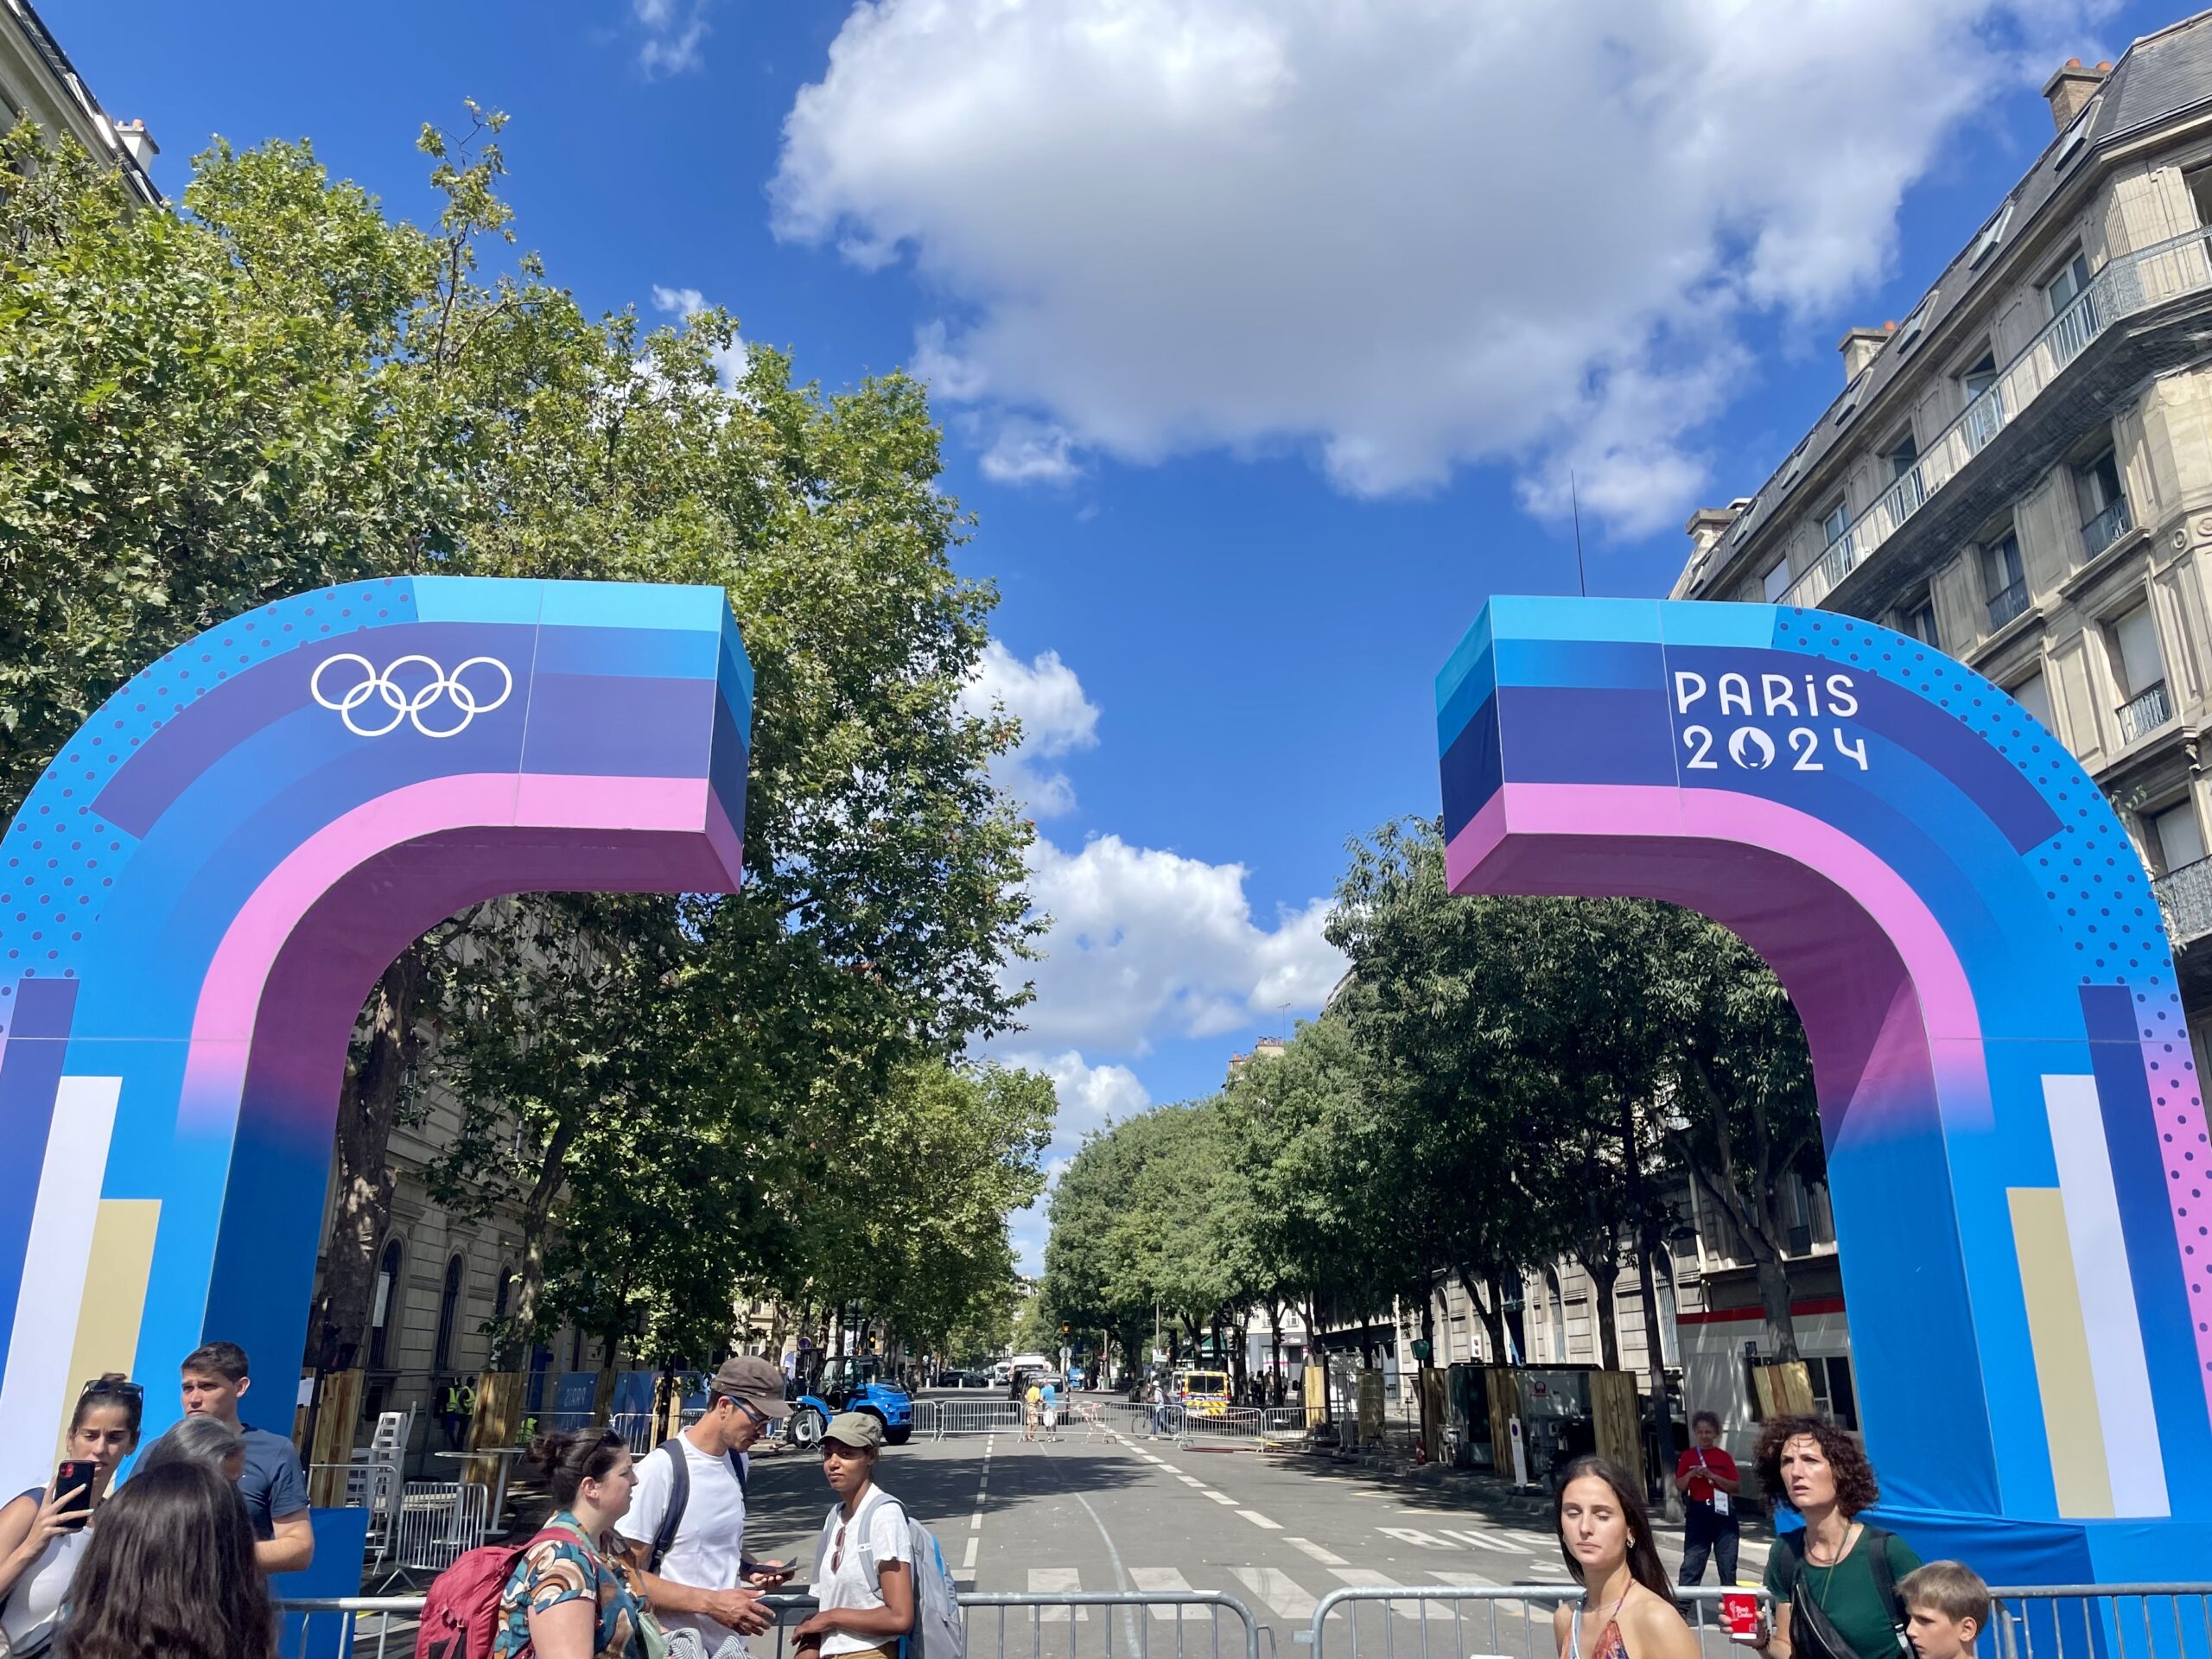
x,y
1848,1594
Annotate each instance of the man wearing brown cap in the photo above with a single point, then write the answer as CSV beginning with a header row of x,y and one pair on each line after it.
x,y
685,1530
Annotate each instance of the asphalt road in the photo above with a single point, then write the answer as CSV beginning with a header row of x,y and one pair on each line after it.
x,y
1120,1513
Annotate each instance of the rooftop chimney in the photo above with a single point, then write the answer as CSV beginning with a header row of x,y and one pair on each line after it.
x,y
139,142
2070,89
1706,524
1858,347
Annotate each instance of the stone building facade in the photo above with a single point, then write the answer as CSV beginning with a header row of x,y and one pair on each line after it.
x,y
2019,474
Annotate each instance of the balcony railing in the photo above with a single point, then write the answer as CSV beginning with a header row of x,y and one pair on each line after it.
x,y
2144,713
2108,527
2128,284
2185,901
2008,602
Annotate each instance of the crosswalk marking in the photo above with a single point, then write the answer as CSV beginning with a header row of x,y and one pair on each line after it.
x,y
1164,1580
1414,1536
1286,1599
1366,1578
1060,1581
1327,1558
1483,1540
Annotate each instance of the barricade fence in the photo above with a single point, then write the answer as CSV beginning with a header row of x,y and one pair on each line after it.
x,y
1243,1427
967,1417
1073,1624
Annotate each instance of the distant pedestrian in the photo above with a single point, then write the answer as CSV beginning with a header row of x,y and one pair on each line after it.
x,y
457,1406
1032,1410
1835,1583
204,1439
274,1486
1048,1404
170,1573
1627,1609
44,1533
864,1563
1708,1480
1158,1409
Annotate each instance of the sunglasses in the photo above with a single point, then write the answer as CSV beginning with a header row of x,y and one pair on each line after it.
x,y
109,1386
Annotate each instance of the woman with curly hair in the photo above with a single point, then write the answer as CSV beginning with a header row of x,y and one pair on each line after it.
x,y
1605,1537
1835,1583
170,1574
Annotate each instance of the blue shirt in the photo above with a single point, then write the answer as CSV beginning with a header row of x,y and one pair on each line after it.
x,y
274,1485
1049,1397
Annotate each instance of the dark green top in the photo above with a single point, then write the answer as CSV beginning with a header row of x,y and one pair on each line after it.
x,y
1847,1593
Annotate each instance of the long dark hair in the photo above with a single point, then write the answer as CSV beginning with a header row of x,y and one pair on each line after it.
x,y
1643,1563
170,1574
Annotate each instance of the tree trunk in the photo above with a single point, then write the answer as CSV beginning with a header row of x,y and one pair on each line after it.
x,y
1603,1267
1489,1308
538,1211
1655,1355
362,1214
1774,1303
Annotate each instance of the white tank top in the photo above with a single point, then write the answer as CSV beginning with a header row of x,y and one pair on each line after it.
x,y
34,1608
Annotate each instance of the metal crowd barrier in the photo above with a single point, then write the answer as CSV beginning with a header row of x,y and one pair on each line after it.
x,y
1242,1427
972,1417
1483,1621
2099,1621
1011,1626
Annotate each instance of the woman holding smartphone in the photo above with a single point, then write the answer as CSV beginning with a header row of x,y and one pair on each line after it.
x,y
43,1533
1627,1609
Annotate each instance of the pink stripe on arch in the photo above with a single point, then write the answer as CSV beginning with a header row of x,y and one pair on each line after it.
x,y
230,995
1661,811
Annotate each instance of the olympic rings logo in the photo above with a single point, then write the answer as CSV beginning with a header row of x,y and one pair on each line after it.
x,y
381,694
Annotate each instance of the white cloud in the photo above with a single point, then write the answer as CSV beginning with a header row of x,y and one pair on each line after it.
x,y
679,301
1089,1095
1031,452
673,36
1057,719
1410,234
1146,942
729,360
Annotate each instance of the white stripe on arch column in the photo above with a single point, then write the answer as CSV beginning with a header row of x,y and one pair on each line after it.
x,y
36,1393
2109,1314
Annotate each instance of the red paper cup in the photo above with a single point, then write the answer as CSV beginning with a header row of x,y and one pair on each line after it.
x,y
1741,1614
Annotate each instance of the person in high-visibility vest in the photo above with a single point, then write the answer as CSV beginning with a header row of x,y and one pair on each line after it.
x,y
455,1410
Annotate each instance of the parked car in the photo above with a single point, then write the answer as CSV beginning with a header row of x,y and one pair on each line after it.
x,y
851,1384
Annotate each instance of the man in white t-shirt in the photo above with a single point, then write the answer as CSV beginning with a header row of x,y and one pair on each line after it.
x,y
695,1573
864,1563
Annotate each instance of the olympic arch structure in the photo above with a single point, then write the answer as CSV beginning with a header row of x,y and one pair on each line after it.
x,y
198,893
2016,1146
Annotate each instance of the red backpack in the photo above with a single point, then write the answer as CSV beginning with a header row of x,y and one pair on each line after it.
x,y
461,1614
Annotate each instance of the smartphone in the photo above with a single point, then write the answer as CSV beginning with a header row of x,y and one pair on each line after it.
x,y
73,1485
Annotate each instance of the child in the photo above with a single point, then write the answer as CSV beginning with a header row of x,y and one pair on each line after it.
x,y
1946,1606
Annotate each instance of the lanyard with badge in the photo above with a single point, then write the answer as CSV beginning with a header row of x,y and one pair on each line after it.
x,y
1720,1497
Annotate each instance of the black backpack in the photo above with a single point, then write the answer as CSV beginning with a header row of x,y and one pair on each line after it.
x,y
679,1495
1811,1631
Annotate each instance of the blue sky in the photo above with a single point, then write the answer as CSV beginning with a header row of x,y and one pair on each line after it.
x,y
1267,332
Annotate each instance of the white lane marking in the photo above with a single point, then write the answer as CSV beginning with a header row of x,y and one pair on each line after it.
x,y
1219,1497
1056,1580
1414,1536
1327,1558
1169,1467
974,1544
1260,1520
975,1521
1154,1581
1282,1593
1191,1480
1483,1541
1365,1577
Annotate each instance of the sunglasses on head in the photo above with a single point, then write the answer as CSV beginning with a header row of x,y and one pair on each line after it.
x,y
108,1385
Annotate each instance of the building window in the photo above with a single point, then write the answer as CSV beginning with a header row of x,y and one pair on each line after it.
x,y
2142,665
2176,835
2198,180
1915,619
1902,454
2068,284
1991,234
1670,1340
1558,1317
448,1313
1834,523
2033,694
506,1289
383,1312
1908,332
1983,400
1775,582
2004,579
2104,507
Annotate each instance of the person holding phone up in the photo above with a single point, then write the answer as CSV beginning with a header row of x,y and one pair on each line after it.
x,y
43,1533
